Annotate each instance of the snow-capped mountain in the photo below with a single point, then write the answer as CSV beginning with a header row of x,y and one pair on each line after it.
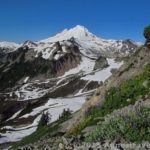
x,y
91,44
8,46
78,32
60,53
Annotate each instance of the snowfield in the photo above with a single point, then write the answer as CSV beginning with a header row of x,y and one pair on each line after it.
x,y
105,73
29,91
54,106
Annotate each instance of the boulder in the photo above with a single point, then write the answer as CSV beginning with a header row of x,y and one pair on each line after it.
x,y
65,141
61,146
101,63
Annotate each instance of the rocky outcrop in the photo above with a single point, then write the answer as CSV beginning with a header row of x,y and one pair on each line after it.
x,y
22,62
101,63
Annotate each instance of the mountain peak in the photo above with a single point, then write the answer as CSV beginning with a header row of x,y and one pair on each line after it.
x,y
78,32
92,44
79,28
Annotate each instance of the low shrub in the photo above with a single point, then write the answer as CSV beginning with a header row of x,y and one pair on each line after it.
x,y
131,128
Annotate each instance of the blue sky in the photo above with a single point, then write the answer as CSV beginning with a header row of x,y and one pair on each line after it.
x,y
22,20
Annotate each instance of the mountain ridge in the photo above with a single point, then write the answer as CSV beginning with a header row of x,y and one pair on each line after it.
x,y
87,41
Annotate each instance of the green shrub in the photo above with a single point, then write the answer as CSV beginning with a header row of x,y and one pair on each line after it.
x,y
77,128
147,33
127,93
131,128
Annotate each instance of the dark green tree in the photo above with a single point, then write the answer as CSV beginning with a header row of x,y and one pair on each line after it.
x,y
66,113
45,119
147,33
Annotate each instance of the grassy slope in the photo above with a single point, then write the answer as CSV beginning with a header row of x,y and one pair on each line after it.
x,y
117,97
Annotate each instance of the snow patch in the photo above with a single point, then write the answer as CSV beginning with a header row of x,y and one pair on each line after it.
x,y
102,75
54,106
26,79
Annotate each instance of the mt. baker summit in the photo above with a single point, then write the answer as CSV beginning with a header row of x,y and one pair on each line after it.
x,y
93,44
78,32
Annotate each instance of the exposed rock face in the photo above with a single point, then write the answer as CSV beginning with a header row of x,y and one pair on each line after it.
x,y
18,64
113,71
128,44
101,63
